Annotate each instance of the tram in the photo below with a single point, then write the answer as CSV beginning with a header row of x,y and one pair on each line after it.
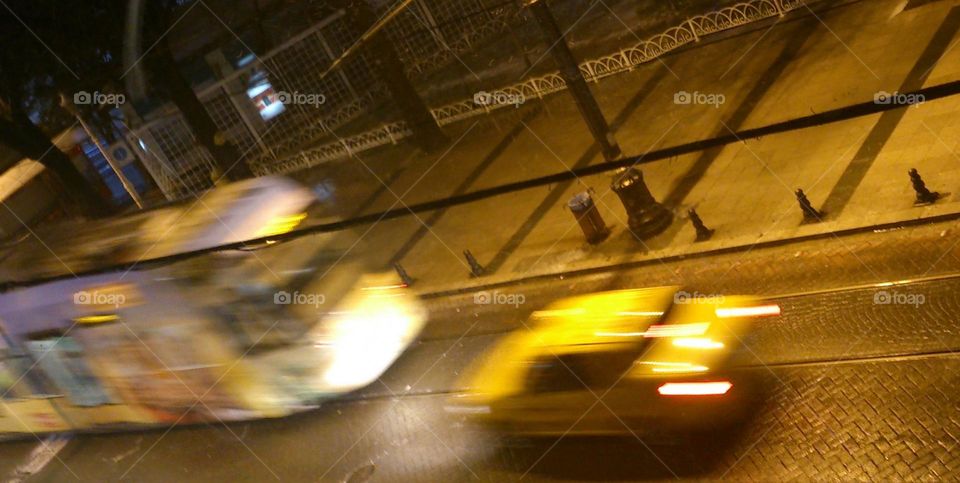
x,y
220,337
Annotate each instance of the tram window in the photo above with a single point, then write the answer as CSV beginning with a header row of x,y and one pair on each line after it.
x,y
6,379
10,387
258,324
64,363
16,376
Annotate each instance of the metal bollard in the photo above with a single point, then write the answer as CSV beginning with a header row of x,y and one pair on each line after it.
x,y
647,218
703,233
404,276
588,216
476,270
810,214
924,195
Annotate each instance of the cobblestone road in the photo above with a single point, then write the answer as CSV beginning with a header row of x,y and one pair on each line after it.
x,y
855,390
877,420
867,258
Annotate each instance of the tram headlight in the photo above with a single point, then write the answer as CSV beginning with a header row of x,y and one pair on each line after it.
x,y
365,339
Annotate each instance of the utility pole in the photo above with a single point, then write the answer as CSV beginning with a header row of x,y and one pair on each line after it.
x,y
576,84
647,217
427,134
114,166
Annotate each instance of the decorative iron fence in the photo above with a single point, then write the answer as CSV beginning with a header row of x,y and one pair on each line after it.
x,y
689,31
427,35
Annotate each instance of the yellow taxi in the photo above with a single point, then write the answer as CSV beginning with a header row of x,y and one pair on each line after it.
x,y
616,362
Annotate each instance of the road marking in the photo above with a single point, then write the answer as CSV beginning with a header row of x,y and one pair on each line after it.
x,y
126,454
39,458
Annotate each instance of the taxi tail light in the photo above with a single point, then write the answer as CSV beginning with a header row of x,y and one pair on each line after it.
x,y
715,388
754,311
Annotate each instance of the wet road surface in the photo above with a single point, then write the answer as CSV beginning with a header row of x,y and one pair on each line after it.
x,y
855,387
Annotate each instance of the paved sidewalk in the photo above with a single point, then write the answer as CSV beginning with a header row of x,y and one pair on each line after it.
x,y
801,64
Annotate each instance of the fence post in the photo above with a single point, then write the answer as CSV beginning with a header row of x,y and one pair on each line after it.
x,y
393,139
693,29
625,61
591,73
781,10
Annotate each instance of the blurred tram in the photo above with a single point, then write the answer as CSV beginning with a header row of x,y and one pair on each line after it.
x,y
249,209
225,336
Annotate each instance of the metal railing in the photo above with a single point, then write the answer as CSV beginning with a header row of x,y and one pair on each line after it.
x,y
690,31
428,35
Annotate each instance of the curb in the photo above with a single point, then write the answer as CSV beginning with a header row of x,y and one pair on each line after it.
x,y
723,250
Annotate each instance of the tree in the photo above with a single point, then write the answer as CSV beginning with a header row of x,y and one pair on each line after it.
x,y
21,134
40,61
55,48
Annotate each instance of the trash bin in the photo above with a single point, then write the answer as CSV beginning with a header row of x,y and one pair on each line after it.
x,y
647,218
588,216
